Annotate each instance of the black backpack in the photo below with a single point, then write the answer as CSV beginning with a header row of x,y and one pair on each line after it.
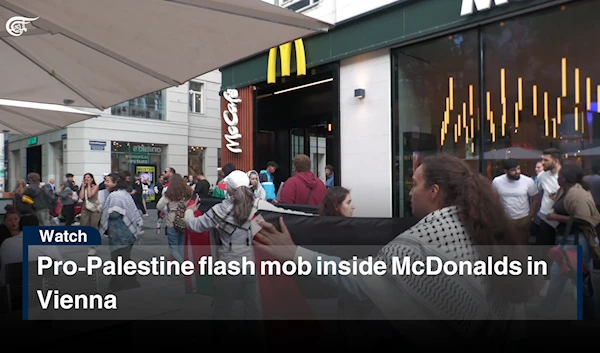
x,y
52,197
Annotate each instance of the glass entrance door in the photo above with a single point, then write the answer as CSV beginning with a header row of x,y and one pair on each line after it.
x,y
315,142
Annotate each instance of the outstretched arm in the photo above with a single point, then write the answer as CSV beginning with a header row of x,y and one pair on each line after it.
x,y
198,224
280,245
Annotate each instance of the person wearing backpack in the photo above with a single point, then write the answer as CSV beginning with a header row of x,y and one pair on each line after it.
x,y
68,198
176,199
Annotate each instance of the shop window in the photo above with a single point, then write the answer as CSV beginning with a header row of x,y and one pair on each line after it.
x,y
196,160
196,94
539,89
436,106
135,157
149,106
542,79
297,142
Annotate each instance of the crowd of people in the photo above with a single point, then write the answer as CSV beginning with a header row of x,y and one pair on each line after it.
x,y
554,208
557,206
456,206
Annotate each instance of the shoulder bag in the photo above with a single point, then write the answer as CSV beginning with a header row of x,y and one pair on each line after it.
x,y
90,206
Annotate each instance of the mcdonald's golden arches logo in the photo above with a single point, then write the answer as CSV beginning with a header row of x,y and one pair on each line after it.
x,y
286,60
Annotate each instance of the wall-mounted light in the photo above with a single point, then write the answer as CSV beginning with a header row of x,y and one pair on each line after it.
x,y
359,93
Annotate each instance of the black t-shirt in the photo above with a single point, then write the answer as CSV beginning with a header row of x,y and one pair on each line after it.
x,y
158,195
137,186
202,187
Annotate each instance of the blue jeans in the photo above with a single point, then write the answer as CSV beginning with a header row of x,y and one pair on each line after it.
x,y
558,282
176,243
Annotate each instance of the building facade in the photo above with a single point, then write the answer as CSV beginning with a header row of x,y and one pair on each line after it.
x,y
482,80
179,127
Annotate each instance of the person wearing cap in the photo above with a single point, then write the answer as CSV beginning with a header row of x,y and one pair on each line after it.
x,y
266,180
101,186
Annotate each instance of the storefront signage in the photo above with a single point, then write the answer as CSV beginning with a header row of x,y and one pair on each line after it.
x,y
469,6
137,158
32,141
286,60
146,149
231,119
97,145
63,136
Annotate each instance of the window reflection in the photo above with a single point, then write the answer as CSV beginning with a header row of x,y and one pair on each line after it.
x,y
195,160
128,155
543,80
195,97
437,105
540,88
149,106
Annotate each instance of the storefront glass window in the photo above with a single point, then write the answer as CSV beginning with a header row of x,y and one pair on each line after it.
x,y
539,88
150,106
430,117
137,157
195,160
542,76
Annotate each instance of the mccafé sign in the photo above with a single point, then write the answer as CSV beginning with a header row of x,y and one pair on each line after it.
x,y
286,60
230,116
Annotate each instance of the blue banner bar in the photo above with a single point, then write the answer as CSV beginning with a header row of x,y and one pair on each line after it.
x,y
580,282
58,236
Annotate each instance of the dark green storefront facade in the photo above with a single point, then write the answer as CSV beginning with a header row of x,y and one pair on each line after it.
x,y
399,23
520,53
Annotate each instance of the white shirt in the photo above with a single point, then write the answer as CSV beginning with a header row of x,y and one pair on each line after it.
x,y
165,210
548,183
11,252
103,195
515,194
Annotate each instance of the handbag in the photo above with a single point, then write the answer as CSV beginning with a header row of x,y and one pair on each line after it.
x,y
90,206
567,259
27,200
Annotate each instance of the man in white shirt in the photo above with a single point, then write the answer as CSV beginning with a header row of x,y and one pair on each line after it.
x,y
548,183
519,195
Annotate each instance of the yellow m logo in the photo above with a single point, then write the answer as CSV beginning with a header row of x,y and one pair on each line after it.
x,y
286,60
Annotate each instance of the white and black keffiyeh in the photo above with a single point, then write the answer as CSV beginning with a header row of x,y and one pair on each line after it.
x,y
223,215
464,299
120,201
